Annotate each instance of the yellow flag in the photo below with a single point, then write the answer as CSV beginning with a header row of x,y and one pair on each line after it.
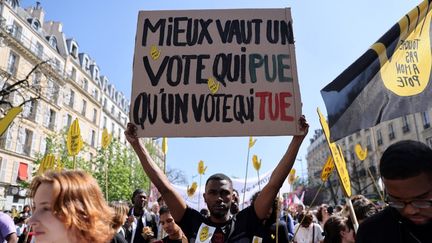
x,y
165,145
106,138
251,142
47,163
8,118
360,152
191,190
74,141
291,176
256,162
201,168
327,169
338,157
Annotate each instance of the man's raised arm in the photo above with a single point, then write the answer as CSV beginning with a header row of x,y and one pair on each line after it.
x,y
172,198
265,199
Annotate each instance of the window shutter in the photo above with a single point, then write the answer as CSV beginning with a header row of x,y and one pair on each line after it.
x,y
26,109
42,146
10,130
38,111
20,141
32,147
14,173
59,96
66,96
3,169
30,171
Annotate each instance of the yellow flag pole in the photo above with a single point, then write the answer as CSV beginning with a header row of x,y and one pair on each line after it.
x,y
311,204
376,185
244,188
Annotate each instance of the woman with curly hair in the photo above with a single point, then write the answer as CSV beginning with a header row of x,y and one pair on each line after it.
x,y
68,206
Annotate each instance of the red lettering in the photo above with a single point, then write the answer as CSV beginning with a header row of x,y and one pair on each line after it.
x,y
284,105
262,96
279,111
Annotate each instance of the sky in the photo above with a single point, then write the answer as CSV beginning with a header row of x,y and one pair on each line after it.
x,y
329,36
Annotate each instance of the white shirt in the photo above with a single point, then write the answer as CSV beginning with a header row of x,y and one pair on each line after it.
x,y
304,235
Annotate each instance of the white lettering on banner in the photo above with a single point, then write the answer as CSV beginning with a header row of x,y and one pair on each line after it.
x,y
238,184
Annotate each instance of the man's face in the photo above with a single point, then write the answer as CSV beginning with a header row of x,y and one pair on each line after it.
x,y
140,200
406,190
168,224
218,196
235,203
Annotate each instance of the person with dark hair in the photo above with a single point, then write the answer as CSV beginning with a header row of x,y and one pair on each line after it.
x,y
338,229
363,208
141,226
406,171
175,234
235,207
221,226
322,214
306,231
267,231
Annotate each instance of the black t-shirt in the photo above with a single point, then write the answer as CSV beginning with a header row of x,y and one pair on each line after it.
x,y
239,229
389,226
268,232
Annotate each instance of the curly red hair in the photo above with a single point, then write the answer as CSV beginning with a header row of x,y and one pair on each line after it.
x,y
78,203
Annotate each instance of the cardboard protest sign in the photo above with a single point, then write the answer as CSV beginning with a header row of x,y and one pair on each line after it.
x,y
215,73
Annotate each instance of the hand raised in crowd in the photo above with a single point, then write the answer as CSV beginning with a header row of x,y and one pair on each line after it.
x,y
304,126
131,134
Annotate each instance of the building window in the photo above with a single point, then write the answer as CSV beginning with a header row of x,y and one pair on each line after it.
x,y
38,49
25,137
112,127
29,110
73,74
84,108
368,143
93,138
391,131
53,42
104,122
12,63
74,50
85,84
105,104
52,119
36,79
95,93
68,121
405,124
425,118
379,137
112,109
16,31
94,115
71,99
35,24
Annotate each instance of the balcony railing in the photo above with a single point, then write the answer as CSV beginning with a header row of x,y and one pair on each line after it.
x,y
32,47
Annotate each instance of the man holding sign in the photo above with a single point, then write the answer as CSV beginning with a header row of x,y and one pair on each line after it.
x,y
220,226
406,169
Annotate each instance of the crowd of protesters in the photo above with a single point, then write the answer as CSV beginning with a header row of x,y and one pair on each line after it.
x,y
68,206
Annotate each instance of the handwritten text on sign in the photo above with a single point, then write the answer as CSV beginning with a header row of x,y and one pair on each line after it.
x,y
207,73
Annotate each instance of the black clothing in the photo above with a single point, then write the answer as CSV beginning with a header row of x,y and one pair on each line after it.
x,y
118,238
168,240
239,229
268,232
389,226
150,220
